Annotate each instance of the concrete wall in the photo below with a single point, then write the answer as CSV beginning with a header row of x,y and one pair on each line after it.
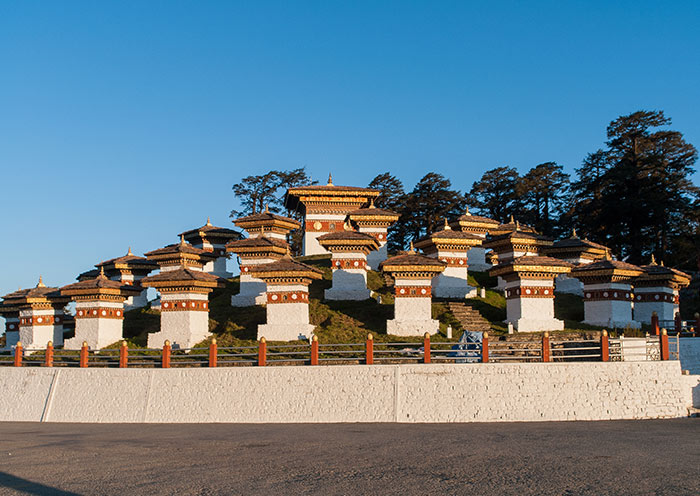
x,y
349,393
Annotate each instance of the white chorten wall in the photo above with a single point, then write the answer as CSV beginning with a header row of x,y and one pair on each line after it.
x,y
530,305
374,258
453,282
268,234
608,305
139,301
311,245
349,277
218,265
184,320
662,300
412,309
38,327
568,284
476,258
287,313
98,323
11,331
252,290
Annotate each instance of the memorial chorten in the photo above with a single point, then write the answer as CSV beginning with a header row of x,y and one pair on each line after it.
x,y
375,222
413,275
607,292
128,270
656,290
479,226
184,307
349,251
10,312
212,239
180,255
325,208
252,252
99,310
576,251
268,224
451,247
41,315
287,299
529,291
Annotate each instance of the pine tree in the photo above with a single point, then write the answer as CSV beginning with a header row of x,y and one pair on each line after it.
x,y
542,191
496,193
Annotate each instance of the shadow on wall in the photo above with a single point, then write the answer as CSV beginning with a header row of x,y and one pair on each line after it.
x,y
28,487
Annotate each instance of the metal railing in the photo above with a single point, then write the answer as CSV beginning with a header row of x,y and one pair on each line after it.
x,y
370,352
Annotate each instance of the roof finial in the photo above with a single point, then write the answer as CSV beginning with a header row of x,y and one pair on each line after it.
x,y
607,255
208,221
573,233
182,239
267,208
412,250
653,260
447,226
517,225
41,284
662,263
102,270
511,219
467,211
371,203
129,252
330,179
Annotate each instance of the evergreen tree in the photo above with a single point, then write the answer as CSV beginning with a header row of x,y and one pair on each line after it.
x,y
431,201
496,194
637,195
391,197
542,191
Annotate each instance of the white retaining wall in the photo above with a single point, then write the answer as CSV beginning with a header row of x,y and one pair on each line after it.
x,y
689,354
349,393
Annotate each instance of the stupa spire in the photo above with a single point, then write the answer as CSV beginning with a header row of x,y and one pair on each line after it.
x,y
447,226
573,233
330,179
41,284
208,221
653,260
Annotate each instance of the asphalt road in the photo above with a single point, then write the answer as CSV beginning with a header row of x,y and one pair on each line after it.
x,y
624,457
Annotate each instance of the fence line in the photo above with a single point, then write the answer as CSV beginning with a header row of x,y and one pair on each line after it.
x,y
370,352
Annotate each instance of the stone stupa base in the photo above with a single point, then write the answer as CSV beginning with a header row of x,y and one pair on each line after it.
x,y
412,327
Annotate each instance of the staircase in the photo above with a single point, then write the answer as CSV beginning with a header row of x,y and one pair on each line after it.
x,y
470,319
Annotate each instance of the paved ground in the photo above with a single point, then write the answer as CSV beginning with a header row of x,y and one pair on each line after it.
x,y
643,457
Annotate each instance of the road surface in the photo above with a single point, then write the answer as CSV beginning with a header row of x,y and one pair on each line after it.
x,y
623,457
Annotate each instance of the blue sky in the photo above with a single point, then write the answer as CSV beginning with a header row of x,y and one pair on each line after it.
x,y
124,123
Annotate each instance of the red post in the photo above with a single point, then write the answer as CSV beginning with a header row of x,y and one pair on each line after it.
x,y
48,358
665,355
213,353
84,355
18,354
314,350
485,348
123,355
262,352
678,323
604,346
369,349
426,348
165,361
546,353
654,324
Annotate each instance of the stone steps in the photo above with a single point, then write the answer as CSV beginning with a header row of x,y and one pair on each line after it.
x,y
470,318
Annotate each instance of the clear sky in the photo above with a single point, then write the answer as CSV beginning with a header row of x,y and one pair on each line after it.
x,y
124,123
